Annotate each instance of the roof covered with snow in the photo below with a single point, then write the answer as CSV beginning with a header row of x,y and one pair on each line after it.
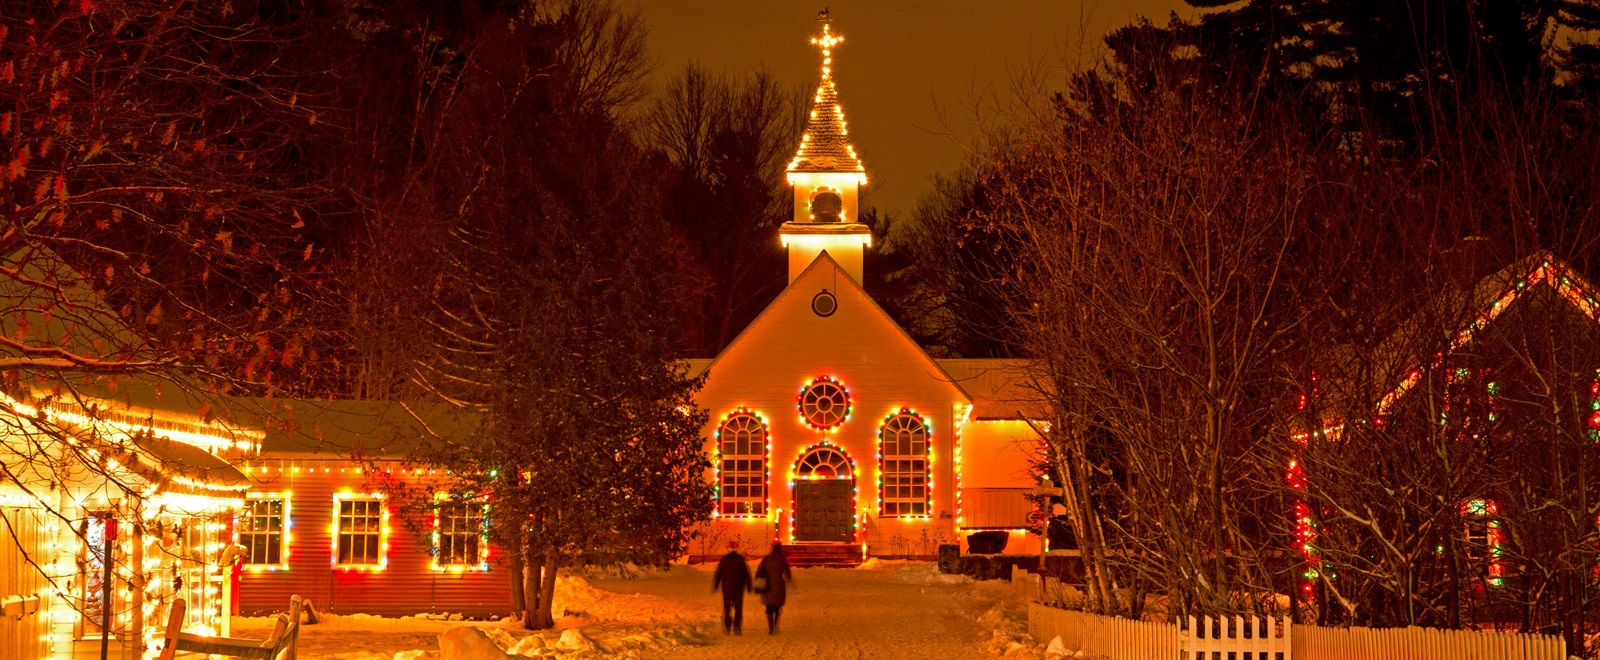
x,y
342,428
1000,388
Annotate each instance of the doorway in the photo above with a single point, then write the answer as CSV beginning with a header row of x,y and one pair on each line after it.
x,y
824,496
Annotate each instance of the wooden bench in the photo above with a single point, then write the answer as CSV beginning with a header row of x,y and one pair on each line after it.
x,y
279,646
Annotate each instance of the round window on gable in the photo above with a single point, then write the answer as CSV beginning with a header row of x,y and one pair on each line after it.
x,y
824,304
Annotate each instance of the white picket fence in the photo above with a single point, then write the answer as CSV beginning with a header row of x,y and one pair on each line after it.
x,y
1318,643
1237,639
1266,639
1103,636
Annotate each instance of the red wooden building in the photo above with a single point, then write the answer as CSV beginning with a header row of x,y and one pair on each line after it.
x,y
323,518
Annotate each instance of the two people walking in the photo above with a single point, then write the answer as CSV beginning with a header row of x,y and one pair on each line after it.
x,y
772,580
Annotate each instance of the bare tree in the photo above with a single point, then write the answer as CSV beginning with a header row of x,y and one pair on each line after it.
x,y
728,141
521,268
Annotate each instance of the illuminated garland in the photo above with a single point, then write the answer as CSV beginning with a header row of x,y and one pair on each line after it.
x,y
766,476
927,466
824,395
961,423
855,488
1594,408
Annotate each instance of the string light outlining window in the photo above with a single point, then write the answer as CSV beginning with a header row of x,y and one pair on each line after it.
x,y
824,403
261,524
459,540
359,540
824,462
742,465
1484,541
903,465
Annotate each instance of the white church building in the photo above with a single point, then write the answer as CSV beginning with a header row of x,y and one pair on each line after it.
x,y
830,426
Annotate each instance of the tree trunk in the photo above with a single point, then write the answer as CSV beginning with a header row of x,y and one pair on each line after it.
x,y
547,588
532,567
519,601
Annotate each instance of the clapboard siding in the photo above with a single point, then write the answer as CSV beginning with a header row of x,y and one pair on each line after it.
x,y
407,585
23,628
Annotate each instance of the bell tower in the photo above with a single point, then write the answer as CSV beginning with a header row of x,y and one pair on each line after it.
x,y
827,178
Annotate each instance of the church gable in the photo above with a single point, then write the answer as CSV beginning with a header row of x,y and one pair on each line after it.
x,y
824,324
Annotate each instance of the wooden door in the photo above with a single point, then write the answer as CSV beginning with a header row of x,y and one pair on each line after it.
x,y
823,510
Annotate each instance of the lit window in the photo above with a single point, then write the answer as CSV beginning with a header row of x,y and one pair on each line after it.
x,y
903,457
824,463
742,466
460,540
359,539
261,525
824,404
1483,538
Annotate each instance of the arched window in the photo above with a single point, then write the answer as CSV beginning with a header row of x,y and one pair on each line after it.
x,y
742,465
903,465
824,463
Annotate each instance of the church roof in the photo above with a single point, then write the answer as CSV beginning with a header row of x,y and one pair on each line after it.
x,y
825,146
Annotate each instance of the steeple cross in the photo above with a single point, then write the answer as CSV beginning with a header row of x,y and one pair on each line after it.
x,y
827,41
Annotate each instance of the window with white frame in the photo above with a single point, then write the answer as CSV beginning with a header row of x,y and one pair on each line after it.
x,y
261,526
904,465
460,534
359,539
742,465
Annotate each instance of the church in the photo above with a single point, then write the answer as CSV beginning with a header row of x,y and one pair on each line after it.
x,y
831,427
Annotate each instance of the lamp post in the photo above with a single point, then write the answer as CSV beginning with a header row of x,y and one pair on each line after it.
x,y
110,538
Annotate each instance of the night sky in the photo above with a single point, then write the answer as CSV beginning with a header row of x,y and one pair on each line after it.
x,y
903,65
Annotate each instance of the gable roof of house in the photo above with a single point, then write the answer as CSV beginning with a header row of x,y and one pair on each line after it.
x,y
52,312
1399,368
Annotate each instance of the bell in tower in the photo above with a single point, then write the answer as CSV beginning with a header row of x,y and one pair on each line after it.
x,y
826,205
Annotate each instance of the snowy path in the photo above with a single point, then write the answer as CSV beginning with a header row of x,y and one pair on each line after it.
x,y
842,613
888,610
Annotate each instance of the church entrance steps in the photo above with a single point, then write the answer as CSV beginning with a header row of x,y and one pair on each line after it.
x,y
829,555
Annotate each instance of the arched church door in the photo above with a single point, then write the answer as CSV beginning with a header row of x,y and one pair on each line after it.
x,y
824,496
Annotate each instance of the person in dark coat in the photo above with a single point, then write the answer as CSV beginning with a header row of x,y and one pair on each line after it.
x,y
733,577
775,569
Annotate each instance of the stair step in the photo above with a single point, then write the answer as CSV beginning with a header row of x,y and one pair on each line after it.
x,y
824,555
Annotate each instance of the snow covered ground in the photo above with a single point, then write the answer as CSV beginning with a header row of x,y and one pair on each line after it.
x,y
881,610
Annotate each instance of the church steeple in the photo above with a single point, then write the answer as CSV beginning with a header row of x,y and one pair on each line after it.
x,y
827,178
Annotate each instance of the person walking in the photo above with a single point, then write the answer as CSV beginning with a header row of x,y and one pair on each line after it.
x,y
733,577
772,580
